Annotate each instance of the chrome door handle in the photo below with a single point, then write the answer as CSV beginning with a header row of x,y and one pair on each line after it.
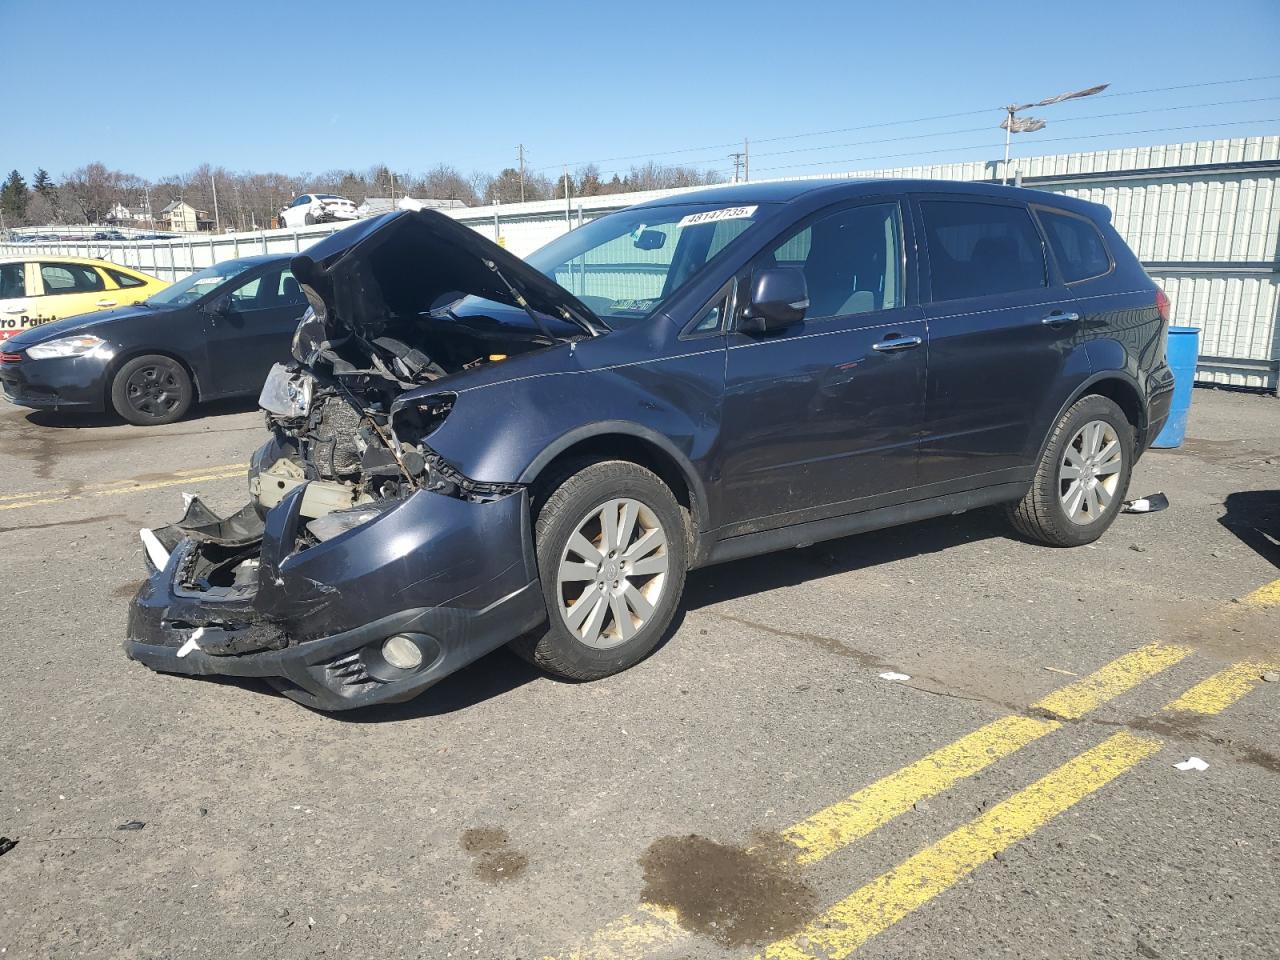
x,y
106,303
19,309
1053,319
897,343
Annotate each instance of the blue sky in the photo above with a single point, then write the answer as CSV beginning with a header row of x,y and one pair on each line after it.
x,y
156,87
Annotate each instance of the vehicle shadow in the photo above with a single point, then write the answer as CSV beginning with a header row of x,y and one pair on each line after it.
x,y
501,672
491,676
741,578
1254,517
70,419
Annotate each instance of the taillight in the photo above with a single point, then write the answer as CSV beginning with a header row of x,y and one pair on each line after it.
x,y
1162,305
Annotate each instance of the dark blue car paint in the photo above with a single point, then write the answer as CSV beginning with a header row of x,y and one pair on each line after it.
x,y
776,440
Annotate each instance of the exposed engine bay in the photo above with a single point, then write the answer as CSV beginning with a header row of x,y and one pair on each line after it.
x,y
399,304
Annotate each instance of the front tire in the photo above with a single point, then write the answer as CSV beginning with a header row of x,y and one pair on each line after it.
x,y
1082,478
612,554
152,390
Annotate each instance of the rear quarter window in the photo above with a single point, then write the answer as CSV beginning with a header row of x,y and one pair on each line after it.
x,y
123,280
1077,245
981,249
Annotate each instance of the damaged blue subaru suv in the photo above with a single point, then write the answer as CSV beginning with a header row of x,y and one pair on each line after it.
x,y
472,450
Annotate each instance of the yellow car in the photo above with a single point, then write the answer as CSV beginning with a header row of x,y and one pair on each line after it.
x,y
44,289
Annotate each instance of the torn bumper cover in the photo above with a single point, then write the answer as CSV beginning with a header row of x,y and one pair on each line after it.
x,y
245,597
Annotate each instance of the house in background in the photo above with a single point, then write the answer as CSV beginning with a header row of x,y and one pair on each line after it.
x,y
180,216
120,214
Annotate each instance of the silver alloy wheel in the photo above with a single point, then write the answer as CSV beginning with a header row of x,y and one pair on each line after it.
x,y
1089,473
612,573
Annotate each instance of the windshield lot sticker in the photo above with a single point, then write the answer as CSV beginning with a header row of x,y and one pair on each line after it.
x,y
634,306
711,216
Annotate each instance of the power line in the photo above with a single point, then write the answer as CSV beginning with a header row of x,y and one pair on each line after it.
x,y
988,146
1056,120
888,123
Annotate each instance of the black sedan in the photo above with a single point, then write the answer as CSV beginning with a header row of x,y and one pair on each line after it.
x,y
211,335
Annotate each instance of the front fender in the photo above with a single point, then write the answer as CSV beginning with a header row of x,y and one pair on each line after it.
x,y
507,432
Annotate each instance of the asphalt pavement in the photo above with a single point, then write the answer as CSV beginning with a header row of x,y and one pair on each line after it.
x,y
755,788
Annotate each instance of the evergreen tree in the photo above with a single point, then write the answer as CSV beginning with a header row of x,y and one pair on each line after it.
x,y
13,198
42,183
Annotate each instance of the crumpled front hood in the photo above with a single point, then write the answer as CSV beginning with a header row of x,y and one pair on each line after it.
x,y
405,263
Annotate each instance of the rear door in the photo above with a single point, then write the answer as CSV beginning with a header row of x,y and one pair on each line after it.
x,y
256,332
999,339
821,419
70,289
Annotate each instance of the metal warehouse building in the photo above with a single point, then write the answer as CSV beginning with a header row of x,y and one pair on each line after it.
x,y
1203,217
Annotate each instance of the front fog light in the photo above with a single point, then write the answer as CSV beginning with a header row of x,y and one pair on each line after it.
x,y
401,652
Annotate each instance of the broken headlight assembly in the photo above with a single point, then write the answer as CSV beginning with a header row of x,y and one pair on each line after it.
x,y
65,347
285,393
340,521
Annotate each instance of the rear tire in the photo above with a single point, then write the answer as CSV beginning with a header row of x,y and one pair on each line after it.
x,y
612,554
1082,478
309,220
152,390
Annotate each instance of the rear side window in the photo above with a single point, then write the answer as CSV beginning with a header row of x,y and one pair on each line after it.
x,y
1077,245
981,249
123,280
70,278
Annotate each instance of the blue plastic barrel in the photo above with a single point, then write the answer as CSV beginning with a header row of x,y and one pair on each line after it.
x,y
1184,348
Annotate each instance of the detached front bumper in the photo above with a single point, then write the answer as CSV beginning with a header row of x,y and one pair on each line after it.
x,y
458,578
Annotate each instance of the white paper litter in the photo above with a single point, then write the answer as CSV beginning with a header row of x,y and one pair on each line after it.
x,y
1191,763
890,675
186,500
158,555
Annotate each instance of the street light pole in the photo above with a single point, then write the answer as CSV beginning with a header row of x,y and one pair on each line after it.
x,y
1012,123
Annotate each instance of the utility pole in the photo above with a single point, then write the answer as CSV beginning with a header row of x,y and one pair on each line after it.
x,y
520,153
217,220
737,159
746,159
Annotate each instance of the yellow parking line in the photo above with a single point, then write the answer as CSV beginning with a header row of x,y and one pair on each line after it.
x,y
1076,699
650,928
107,485
1268,596
1220,691
856,816
64,497
848,820
895,894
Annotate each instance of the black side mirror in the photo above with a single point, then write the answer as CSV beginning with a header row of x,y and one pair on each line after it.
x,y
779,299
220,307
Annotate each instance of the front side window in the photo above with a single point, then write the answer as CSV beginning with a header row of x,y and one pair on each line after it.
x,y
623,266
124,281
13,281
981,249
852,260
191,288
70,278
1077,246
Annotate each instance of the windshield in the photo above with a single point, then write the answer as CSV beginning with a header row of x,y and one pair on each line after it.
x,y
624,265
192,288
